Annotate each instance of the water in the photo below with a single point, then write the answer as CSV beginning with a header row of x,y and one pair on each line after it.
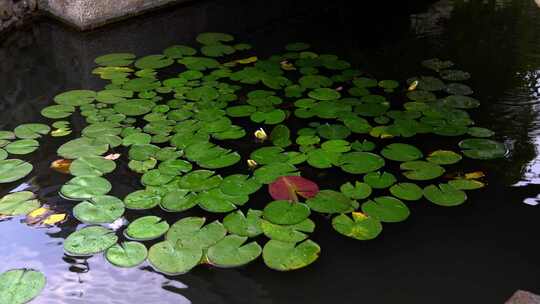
x,y
480,252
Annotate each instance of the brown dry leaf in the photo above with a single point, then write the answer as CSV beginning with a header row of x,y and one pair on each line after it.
x,y
61,165
474,175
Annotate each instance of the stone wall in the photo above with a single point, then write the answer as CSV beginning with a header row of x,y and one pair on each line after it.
x,y
14,12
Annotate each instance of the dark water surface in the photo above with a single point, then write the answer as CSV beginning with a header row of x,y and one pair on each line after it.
x,y
480,252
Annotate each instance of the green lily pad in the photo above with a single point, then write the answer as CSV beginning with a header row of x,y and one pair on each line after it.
x,y
271,117
82,147
480,132
330,201
361,162
231,252
134,107
99,210
141,200
113,96
153,62
421,170
217,50
199,63
244,225
13,169
386,209
321,159
127,254
178,200
173,258
138,138
91,165
466,184
378,180
315,81
285,212
18,203
269,173
191,233
406,191
200,180
85,187
179,51
288,233
89,240
280,136
445,195
143,152
22,146
75,97
58,111
146,228
239,184
461,102
31,130
324,94
20,286
115,59
285,256
360,227
443,157
212,38
401,152
214,200
155,178
357,191
333,131
174,167
481,148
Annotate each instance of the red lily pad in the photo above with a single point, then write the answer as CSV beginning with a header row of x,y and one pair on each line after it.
x,y
290,187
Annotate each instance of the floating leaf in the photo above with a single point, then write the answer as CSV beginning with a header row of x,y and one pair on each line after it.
x,y
288,233
445,195
173,258
466,184
479,148
361,162
360,227
146,228
99,210
85,187
358,191
58,111
378,180
231,252
75,97
31,130
153,62
13,169
249,225
190,233
386,209
280,136
421,170
81,147
19,286
23,146
443,157
54,219
238,184
406,191
284,256
330,201
115,59
289,187
269,173
401,152
141,200
91,166
126,254
18,203
285,213
89,240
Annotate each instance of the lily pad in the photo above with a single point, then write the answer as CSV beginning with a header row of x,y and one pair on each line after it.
x,y
288,233
82,147
153,62
244,225
357,191
480,148
19,286
99,210
200,180
290,187
91,165
443,157
386,209
466,184
231,252
378,180
58,111
285,256
127,254
173,258
361,162
85,187
445,195
141,200
324,94
18,203
330,201
269,173
115,59
13,169
191,233
421,170
134,107
89,240
360,227
239,184
22,146
31,130
75,97
285,212
406,191
146,228
401,152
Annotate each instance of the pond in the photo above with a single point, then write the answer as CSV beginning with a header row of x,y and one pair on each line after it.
x,y
439,249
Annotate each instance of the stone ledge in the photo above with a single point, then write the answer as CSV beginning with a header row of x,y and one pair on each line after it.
x,y
89,14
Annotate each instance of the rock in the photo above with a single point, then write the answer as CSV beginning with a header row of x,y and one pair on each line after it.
x,y
6,9
523,297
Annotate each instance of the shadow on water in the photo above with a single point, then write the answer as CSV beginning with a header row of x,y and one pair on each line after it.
x,y
477,253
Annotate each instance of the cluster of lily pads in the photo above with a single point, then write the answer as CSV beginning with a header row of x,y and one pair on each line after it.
x,y
171,114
